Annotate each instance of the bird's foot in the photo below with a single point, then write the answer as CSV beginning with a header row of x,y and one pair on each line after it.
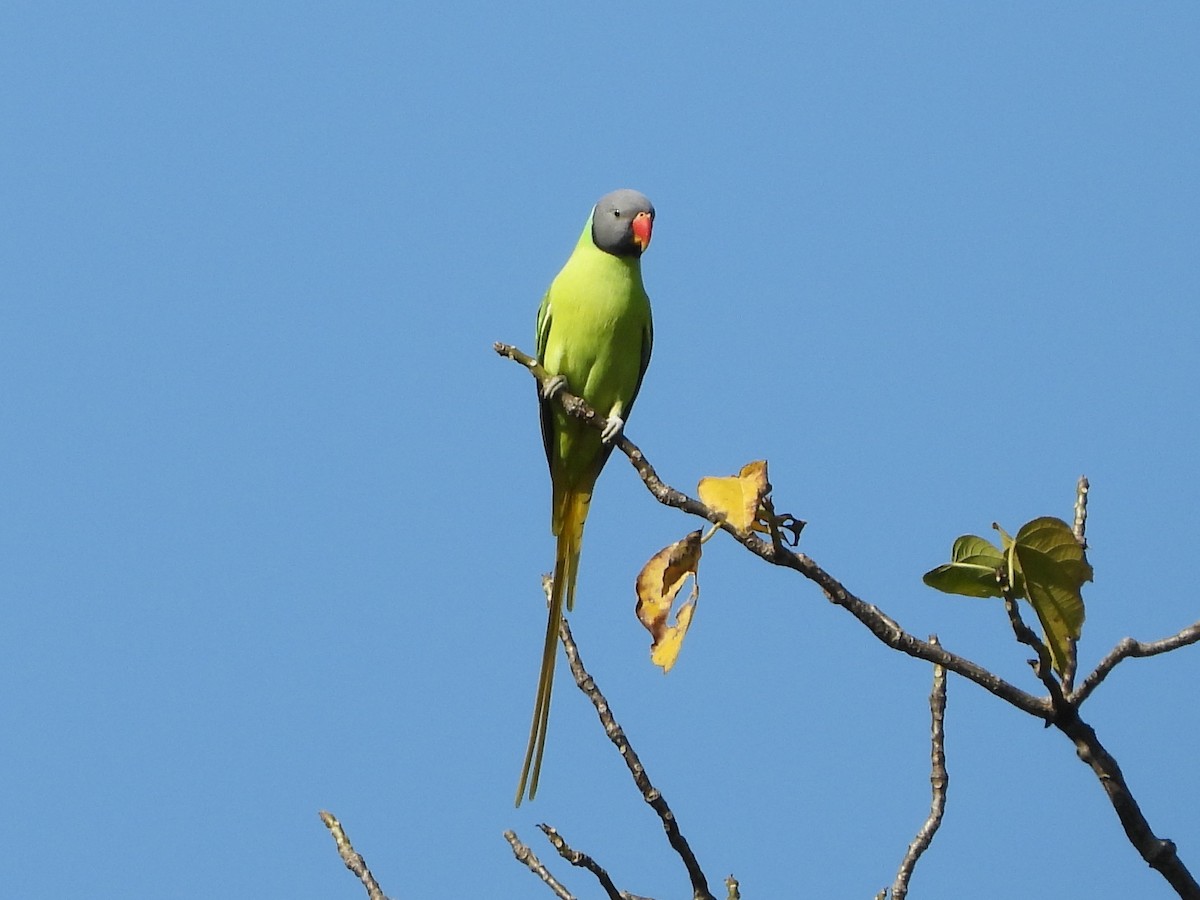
x,y
612,429
553,385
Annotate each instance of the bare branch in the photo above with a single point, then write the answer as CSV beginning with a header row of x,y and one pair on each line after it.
x,y
1079,529
353,860
1042,666
1158,853
527,856
583,861
1128,647
1081,498
1069,665
650,793
939,780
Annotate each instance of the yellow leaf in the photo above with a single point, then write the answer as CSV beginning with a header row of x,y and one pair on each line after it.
x,y
657,585
665,650
738,496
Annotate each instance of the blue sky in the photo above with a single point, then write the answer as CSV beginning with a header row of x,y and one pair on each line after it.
x,y
275,514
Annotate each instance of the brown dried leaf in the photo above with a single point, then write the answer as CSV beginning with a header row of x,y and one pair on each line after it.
x,y
657,585
665,650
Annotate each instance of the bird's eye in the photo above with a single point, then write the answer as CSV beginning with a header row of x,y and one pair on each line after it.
x,y
617,213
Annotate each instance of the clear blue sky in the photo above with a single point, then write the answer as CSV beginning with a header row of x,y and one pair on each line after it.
x,y
274,514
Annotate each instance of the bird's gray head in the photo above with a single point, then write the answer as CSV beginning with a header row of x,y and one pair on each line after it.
x,y
622,222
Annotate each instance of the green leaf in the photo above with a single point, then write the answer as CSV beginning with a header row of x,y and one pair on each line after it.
x,y
1053,568
1055,538
1043,564
971,571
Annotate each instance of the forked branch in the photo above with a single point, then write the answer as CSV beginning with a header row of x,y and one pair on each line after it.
x,y
1060,708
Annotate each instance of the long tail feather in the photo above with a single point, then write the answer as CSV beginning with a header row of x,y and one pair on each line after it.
x,y
570,513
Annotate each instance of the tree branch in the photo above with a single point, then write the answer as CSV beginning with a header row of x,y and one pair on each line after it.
x,y
939,780
353,860
529,858
1041,665
1079,529
1128,647
583,861
650,793
1157,852
879,624
1081,497
1057,709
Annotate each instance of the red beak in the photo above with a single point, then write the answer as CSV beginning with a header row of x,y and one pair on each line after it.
x,y
642,226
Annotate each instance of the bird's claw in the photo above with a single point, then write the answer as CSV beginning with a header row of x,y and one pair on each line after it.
x,y
553,385
612,429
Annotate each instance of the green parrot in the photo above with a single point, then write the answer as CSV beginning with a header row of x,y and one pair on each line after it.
x,y
594,336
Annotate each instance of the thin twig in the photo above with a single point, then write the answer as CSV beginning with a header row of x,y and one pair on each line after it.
x,y
1069,663
529,858
650,793
1042,665
1079,529
1128,647
939,780
584,861
353,860
1081,499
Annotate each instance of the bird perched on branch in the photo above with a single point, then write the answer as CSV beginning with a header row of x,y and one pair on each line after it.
x,y
594,336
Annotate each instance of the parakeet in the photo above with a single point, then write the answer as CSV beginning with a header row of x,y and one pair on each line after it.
x,y
594,335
